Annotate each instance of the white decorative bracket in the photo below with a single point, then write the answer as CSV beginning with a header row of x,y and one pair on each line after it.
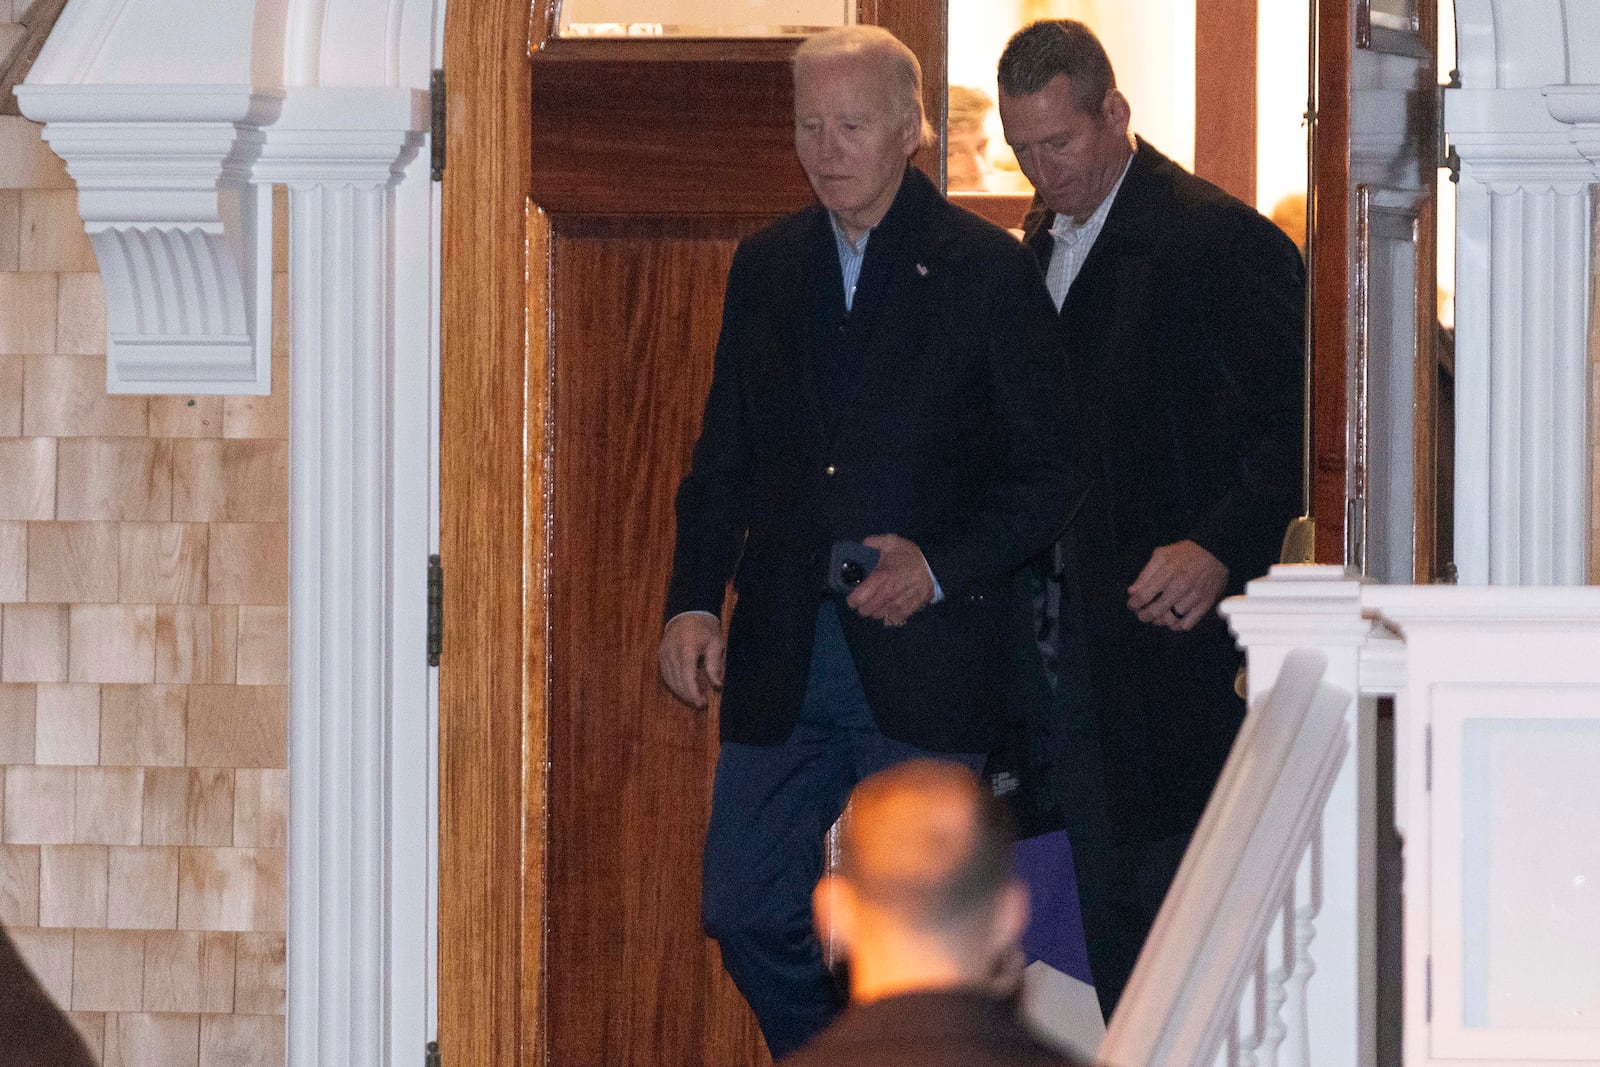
x,y
183,239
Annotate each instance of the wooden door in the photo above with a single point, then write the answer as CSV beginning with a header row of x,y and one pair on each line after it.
x,y
1377,415
616,177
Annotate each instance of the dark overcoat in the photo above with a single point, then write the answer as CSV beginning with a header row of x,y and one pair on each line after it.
x,y
1184,334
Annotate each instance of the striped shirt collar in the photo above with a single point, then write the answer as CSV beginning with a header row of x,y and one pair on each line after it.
x,y
1071,242
850,259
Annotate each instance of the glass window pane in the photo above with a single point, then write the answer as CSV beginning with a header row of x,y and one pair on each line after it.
x,y
1395,15
701,18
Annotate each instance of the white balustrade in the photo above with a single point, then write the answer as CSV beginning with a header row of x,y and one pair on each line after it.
x,y
1210,986
1264,952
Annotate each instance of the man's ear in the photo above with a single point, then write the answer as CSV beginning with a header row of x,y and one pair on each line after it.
x,y
1011,914
916,133
1115,110
833,911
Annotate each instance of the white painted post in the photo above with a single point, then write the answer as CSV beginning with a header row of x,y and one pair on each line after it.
x,y
1519,669
341,152
1320,607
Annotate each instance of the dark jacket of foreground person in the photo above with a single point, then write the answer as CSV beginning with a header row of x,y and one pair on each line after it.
x,y
943,1028
33,1031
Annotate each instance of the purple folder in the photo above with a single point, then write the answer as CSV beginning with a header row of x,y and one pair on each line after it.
x,y
1055,931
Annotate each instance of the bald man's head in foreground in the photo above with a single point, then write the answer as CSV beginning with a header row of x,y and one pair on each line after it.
x,y
925,896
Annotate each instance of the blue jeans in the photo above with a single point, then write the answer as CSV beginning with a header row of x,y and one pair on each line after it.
x,y
771,808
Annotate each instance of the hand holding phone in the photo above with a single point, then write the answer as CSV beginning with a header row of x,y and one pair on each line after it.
x,y
849,564
898,586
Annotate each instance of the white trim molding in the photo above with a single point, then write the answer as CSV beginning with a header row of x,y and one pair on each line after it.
x,y
1521,124
1579,107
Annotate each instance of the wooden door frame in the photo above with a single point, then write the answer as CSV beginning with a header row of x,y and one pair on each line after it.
x,y
1337,482
491,677
494,478
1225,86
1329,227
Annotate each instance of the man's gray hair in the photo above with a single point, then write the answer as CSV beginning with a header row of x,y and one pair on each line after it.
x,y
1042,50
880,47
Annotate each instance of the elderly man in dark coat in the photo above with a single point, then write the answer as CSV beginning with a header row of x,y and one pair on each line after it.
x,y
888,375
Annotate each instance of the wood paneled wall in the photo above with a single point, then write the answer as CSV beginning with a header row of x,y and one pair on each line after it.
x,y
492,674
631,306
632,978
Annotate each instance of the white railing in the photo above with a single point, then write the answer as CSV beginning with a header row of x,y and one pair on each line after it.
x,y
1249,881
1265,952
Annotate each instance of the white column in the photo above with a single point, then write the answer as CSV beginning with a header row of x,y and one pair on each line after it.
x,y
1521,342
341,152
1320,607
1579,107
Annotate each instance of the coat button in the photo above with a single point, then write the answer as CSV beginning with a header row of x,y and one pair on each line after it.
x,y
830,470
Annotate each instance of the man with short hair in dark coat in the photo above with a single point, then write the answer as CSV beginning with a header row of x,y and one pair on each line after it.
x,y
1182,313
930,914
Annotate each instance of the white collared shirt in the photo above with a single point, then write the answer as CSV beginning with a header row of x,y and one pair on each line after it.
x,y
1072,242
851,256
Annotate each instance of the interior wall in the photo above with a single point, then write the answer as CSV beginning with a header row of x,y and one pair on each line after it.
x,y
979,30
1152,47
1150,42
1283,38
143,665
